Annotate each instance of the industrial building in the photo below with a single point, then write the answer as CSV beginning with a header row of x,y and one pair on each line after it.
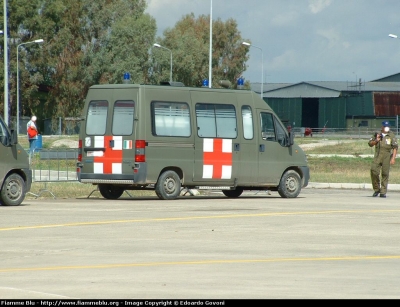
x,y
335,104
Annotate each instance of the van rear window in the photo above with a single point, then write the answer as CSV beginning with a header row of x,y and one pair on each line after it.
x,y
96,120
123,117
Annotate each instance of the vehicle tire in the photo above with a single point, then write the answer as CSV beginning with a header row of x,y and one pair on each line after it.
x,y
290,185
233,193
14,190
168,186
109,191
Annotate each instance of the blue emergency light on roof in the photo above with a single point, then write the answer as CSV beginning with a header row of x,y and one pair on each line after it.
x,y
205,83
127,77
240,83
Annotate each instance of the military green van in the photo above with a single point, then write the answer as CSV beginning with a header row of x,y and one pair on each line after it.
x,y
170,137
15,174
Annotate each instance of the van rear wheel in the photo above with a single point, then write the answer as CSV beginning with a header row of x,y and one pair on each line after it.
x,y
168,185
290,184
109,191
233,193
13,191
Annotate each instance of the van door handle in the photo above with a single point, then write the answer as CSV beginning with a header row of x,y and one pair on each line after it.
x,y
111,143
86,149
236,147
262,147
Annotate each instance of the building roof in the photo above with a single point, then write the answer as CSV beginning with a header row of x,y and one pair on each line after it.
x,y
391,78
322,89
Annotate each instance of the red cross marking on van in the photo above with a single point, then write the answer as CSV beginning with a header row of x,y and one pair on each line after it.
x,y
111,161
217,158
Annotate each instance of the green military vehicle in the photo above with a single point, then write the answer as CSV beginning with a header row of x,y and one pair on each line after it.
x,y
15,174
169,137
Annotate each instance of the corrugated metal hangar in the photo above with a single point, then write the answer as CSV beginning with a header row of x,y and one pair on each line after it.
x,y
335,104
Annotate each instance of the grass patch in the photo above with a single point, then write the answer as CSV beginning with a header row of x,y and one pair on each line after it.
x,y
356,147
350,170
49,141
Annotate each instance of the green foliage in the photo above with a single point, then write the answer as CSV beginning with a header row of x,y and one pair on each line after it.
x,y
85,42
189,43
90,42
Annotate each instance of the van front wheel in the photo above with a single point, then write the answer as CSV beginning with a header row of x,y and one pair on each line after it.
x,y
168,185
290,185
109,191
13,192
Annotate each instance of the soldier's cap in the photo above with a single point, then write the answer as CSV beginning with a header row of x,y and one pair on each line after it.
x,y
385,124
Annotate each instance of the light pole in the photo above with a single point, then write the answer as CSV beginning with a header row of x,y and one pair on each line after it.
x,y
210,52
32,42
262,66
5,27
170,72
397,121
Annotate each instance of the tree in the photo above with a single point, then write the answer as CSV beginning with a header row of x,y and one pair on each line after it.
x,y
88,42
80,49
119,41
189,42
21,16
95,50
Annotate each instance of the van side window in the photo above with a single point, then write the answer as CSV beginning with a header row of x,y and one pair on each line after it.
x,y
96,120
123,117
267,127
247,118
170,119
216,120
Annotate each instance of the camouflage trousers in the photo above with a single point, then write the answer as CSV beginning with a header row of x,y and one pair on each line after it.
x,y
380,168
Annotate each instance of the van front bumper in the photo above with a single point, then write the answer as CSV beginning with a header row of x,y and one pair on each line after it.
x,y
306,175
28,176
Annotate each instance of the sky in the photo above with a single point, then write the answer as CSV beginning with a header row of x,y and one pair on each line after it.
x,y
303,40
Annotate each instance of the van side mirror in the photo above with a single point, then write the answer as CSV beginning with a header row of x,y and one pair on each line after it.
x,y
13,137
291,138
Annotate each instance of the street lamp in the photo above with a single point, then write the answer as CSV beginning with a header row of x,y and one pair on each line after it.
x,y
32,42
170,72
262,66
210,52
5,56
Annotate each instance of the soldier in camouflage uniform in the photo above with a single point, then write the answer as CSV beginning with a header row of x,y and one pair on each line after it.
x,y
386,147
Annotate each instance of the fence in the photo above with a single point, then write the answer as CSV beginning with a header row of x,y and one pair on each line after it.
x,y
53,165
354,133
